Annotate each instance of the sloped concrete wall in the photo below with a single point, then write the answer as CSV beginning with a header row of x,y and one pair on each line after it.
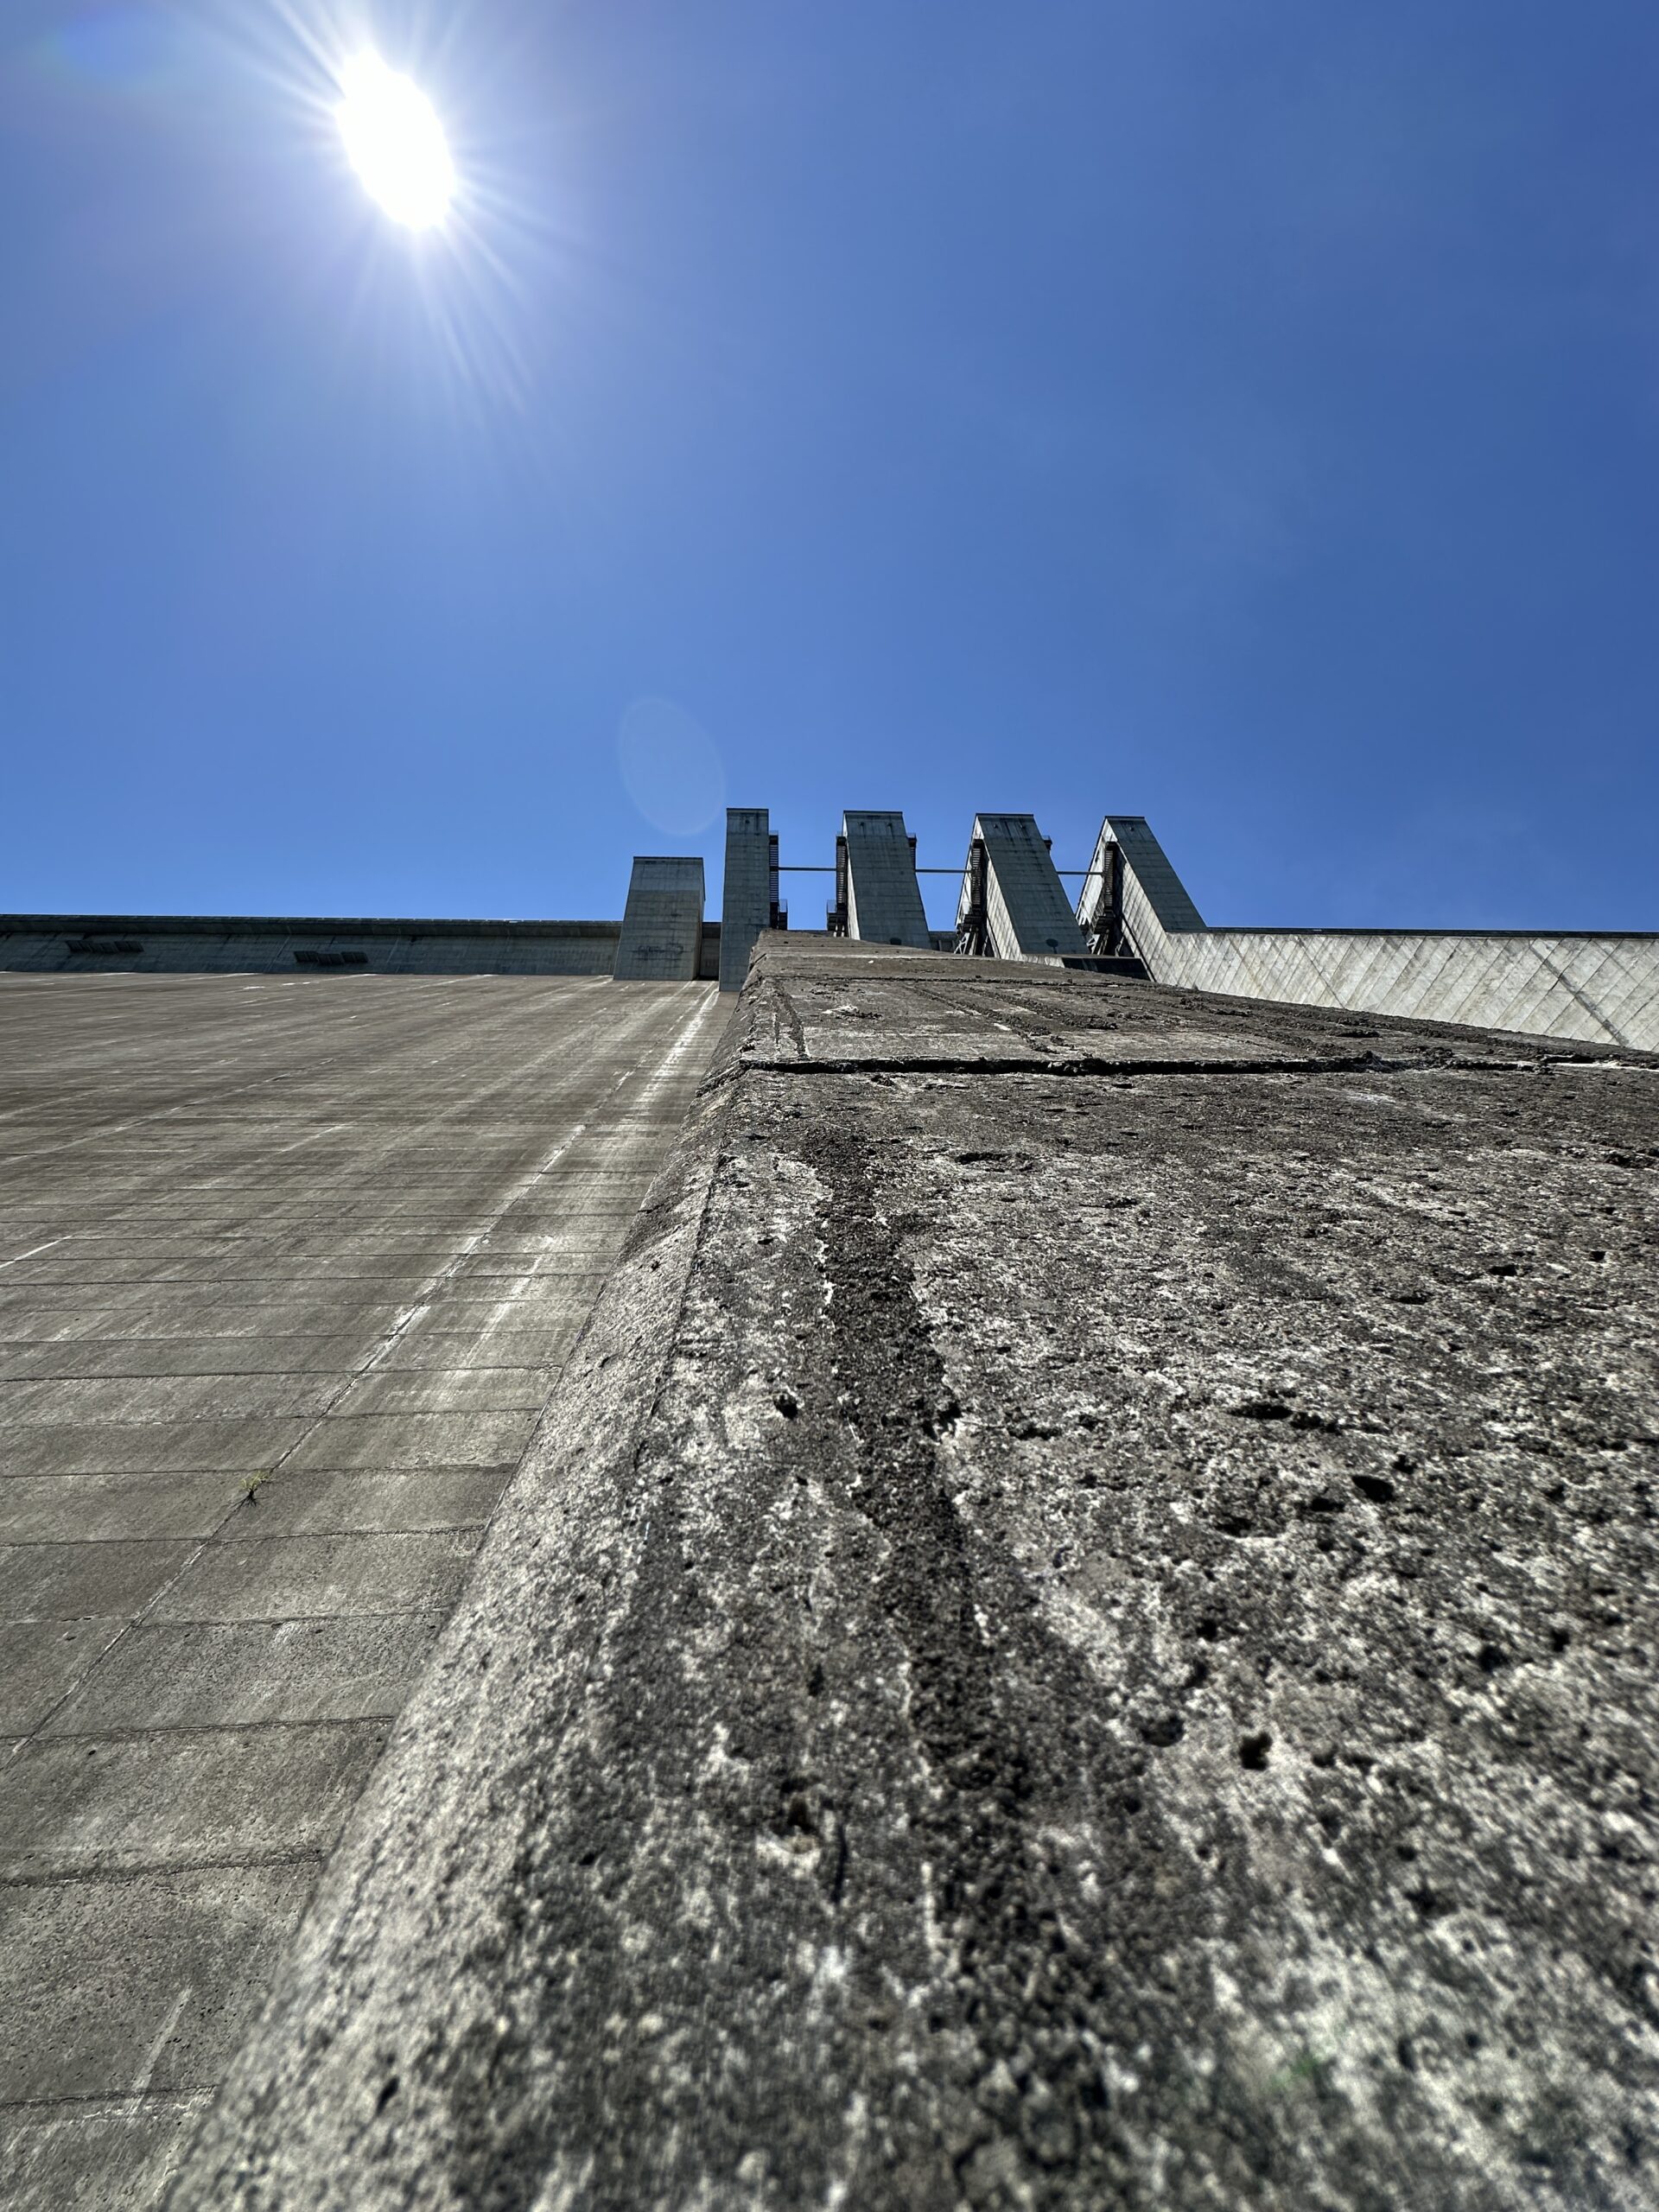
x,y
287,1267
1591,988
884,900
1596,987
1078,1635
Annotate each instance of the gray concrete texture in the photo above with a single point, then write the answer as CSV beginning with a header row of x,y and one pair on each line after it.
x,y
661,939
1028,914
1079,1631
1599,988
287,1269
182,945
745,894
884,900
253,944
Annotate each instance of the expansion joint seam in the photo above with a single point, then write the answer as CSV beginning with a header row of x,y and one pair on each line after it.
x,y
967,1065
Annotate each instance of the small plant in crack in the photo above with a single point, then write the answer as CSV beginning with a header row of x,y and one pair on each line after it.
x,y
254,1485
1309,2069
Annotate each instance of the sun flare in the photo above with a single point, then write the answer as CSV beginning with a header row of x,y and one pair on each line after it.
x,y
396,142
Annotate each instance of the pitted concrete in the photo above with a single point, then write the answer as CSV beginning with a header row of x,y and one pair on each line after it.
x,y
1078,1632
286,1272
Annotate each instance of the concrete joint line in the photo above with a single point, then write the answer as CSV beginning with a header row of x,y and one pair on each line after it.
x,y
952,1063
1583,999
17,1258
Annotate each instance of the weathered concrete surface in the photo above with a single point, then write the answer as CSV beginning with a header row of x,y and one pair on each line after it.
x,y
1598,986
328,1242
1077,1634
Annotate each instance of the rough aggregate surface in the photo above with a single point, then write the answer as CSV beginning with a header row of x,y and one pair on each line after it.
x,y
1081,1633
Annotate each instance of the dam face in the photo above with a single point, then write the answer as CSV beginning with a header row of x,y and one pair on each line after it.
x,y
986,1568
289,1269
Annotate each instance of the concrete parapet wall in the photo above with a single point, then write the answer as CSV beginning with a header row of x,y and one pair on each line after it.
x,y
1598,988
254,944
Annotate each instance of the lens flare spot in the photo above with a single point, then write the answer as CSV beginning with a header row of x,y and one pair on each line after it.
x,y
395,142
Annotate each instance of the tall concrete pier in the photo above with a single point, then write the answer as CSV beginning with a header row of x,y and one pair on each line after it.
x,y
749,902
884,900
1013,905
661,939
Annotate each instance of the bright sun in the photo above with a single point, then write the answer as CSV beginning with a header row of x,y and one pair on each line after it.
x,y
395,141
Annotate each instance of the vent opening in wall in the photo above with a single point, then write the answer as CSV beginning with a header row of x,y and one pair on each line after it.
x,y
310,959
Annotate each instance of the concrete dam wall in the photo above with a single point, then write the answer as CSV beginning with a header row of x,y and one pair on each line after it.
x,y
287,1267
1133,916
1600,986
182,945
1076,1630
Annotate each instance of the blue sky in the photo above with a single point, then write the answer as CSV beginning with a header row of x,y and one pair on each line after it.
x,y
1247,416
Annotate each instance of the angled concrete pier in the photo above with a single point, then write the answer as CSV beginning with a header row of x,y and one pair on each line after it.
x,y
1023,913
884,900
661,940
